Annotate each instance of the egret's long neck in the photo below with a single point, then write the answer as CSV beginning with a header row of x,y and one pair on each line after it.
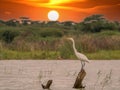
x,y
74,46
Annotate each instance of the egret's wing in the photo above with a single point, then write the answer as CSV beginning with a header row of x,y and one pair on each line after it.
x,y
82,57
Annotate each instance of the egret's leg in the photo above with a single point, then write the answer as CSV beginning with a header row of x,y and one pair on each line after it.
x,y
83,64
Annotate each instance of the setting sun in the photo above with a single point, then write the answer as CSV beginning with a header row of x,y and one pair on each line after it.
x,y
67,10
53,15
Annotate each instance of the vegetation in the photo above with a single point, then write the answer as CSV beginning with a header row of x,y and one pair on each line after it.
x,y
95,36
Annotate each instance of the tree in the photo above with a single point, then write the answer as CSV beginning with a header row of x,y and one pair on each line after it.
x,y
12,22
92,23
8,36
25,20
1,21
97,17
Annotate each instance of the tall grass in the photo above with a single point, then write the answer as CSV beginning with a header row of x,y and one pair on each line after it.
x,y
105,55
99,41
104,45
16,55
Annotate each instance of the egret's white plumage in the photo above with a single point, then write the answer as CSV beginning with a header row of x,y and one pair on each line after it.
x,y
79,55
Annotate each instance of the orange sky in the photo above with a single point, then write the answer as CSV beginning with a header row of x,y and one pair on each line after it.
x,y
72,10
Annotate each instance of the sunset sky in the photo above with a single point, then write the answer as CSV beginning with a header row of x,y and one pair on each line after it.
x,y
69,10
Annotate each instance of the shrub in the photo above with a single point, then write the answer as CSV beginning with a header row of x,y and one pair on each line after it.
x,y
51,33
8,36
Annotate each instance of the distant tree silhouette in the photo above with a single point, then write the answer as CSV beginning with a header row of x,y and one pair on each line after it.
x,y
96,23
12,22
25,20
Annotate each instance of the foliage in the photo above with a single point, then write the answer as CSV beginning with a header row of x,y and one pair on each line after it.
x,y
12,22
51,33
95,36
8,36
66,50
96,23
105,55
17,55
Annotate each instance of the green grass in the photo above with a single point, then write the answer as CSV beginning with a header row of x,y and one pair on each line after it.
x,y
10,54
105,55
54,55
38,42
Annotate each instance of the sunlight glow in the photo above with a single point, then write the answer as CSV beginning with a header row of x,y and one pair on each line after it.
x,y
58,1
53,15
56,4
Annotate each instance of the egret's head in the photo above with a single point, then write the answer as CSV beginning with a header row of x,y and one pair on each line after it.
x,y
70,39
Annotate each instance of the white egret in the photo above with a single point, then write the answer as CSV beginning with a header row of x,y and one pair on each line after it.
x,y
79,55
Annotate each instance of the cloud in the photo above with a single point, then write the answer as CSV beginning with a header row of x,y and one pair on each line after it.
x,y
76,5
46,3
56,2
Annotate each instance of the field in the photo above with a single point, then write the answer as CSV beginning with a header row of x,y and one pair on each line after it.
x,y
98,39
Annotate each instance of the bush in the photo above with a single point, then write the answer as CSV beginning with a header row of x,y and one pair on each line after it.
x,y
96,23
51,33
8,36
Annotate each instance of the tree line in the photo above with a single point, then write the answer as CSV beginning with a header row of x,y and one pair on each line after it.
x,y
91,24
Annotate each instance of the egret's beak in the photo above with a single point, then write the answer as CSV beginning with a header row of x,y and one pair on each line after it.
x,y
68,38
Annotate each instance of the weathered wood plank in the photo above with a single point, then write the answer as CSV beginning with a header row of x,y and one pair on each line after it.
x,y
79,79
47,86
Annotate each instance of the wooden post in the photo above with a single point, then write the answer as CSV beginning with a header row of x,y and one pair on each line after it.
x,y
79,79
47,86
